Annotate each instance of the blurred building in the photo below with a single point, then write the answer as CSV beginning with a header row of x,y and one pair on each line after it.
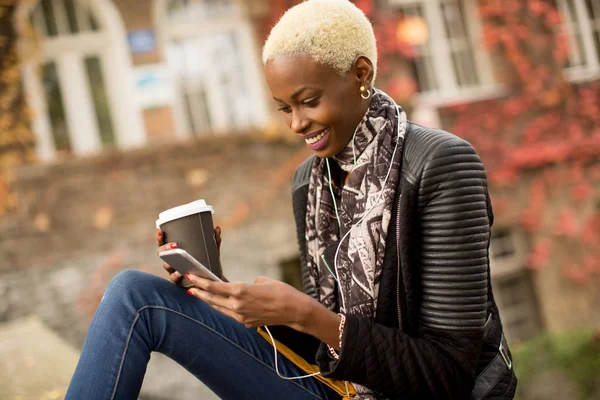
x,y
451,68
130,74
142,105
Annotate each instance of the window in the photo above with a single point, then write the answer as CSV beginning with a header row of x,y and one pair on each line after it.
x,y
194,9
197,35
508,251
451,62
593,9
80,101
581,21
512,285
515,298
423,63
62,17
56,111
461,43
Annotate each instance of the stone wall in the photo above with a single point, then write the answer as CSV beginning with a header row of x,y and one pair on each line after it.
x,y
79,223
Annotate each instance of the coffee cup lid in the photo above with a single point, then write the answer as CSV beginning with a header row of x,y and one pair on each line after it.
x,y
184,210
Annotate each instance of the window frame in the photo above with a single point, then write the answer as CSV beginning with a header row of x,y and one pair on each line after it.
x,y
441,54
591,69
515,262
514,289
105,38
172,28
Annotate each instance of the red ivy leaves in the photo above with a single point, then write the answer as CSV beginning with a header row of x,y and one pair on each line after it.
x,y
531,219
583,274
540,255
544,122
590,233
581,192
577,274
366,6
566,224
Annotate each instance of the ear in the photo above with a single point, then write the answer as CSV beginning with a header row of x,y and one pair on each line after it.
x,y
363,71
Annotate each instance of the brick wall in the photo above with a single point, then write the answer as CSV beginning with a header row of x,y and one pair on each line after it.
x,y
138,15
562,304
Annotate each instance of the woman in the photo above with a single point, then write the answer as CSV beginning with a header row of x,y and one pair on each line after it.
x,y
393,221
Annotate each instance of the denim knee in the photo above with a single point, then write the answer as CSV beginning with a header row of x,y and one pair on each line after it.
x,y
127,286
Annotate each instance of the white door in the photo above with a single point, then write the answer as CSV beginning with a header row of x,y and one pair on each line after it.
x,y
210,50
80,89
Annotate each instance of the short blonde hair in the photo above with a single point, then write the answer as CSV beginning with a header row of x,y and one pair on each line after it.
x,y
332,32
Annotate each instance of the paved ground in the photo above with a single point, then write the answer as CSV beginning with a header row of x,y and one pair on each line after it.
x,y
166,380
36,364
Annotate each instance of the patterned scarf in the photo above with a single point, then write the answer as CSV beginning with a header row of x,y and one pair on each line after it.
x,y
360,256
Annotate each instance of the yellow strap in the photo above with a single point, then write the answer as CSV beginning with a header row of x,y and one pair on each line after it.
x,y
338,386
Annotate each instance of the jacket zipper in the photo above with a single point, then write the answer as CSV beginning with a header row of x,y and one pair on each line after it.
x,y
399,275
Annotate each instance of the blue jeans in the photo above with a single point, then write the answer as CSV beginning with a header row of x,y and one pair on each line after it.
x,y
141,313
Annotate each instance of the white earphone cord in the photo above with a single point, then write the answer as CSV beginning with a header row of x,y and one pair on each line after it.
x,y
339,245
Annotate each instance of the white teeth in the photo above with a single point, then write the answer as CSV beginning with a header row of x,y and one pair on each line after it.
x,y
317,138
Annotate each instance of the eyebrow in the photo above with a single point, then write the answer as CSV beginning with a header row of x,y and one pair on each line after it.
x,y
295,94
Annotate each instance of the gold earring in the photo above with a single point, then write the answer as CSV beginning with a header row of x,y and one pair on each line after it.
x,y
362,92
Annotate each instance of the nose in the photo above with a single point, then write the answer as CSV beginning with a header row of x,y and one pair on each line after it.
x,y
298,123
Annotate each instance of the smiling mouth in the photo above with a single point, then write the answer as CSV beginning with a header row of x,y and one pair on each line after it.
x,y
315,139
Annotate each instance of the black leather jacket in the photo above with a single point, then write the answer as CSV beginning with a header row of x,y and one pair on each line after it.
x,y
437,328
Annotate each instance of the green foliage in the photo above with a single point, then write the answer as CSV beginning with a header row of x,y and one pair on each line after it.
x,y
576,355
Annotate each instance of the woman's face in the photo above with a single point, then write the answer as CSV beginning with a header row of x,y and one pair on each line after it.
x,y
319,105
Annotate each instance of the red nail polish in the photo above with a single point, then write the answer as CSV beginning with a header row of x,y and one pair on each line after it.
x,y
173,245
218,227
159,233
187,276
190,292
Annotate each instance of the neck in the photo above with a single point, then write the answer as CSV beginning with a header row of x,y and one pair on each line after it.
x,y
347,158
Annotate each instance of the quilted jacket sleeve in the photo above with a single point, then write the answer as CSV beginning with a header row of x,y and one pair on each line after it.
x,y
440,361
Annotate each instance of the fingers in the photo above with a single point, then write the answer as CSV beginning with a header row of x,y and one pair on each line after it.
x,y
175,277
213,299
226,289
262,279
166,246
230,299
168,268
218,235
218,239
233,314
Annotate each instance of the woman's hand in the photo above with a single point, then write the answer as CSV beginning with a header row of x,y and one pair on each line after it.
x,y
264,302
175,276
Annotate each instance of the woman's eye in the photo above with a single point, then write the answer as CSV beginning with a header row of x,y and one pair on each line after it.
x,y
311,102
285,109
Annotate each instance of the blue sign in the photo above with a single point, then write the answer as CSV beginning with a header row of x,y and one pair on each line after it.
x,y
141,41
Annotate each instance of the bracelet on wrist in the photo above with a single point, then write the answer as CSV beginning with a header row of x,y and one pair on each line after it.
x,y
341,328
332,351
